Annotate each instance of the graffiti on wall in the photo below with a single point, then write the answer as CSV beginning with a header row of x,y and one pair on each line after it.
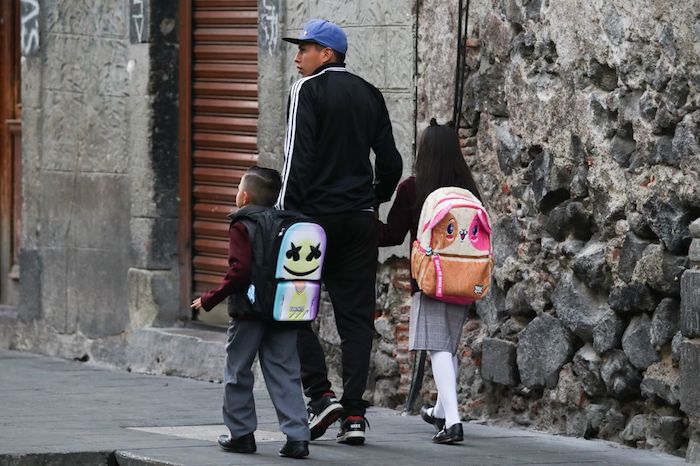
x,y
269,25
29,18
138,21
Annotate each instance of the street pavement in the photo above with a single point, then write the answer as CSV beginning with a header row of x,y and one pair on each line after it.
x,y
57,412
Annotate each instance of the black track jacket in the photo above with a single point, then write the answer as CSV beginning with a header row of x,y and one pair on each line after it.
x,y
334,118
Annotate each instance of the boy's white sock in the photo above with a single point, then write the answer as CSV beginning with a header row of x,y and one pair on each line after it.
x,y
445,375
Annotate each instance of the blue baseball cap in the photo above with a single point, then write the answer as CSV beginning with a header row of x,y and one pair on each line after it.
x,y
322,32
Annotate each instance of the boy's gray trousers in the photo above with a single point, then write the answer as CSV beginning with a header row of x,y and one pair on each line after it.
x,y
276,348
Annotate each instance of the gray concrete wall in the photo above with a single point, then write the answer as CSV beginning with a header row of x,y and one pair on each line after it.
x,y
100,177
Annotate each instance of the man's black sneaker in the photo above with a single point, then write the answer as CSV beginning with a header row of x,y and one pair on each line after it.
x,y
244,444
352,430
323,412
438,422
295,449
450,434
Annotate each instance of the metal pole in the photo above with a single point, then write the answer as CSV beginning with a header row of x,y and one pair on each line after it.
x,y
416,383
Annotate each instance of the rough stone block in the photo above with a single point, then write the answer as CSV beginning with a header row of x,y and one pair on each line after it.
x,y
637,344
54,287
492,309
543,349
30,288
112,56
695,228
386,12
498,361
364,63
632,251
154,242
669,220
676,345
577,307
693,452
621,378
153,298
637,429
399,64
666,433
385,366
100,218
180,352
664,324
607,334
591,267
694,251
106,137
97,291
518,298
587,368
633,299
690,304
60,135
689,386
660,270
57,192
686,138
661,381
505,236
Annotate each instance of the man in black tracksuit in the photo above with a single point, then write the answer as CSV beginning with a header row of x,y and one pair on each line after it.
x,y
334,119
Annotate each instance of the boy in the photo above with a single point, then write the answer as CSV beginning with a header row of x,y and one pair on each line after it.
x,y
274,344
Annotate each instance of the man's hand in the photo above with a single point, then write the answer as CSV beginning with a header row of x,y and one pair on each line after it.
x,y
197,304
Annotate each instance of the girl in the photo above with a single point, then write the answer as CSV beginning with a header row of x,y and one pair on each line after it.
x,y
434,326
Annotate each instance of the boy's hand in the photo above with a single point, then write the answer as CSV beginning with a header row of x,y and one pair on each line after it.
x,y
197,304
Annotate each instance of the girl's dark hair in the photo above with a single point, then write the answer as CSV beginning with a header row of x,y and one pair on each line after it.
x,y
440,163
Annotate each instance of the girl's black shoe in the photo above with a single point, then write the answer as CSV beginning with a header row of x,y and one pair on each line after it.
x,y
450,434
438,422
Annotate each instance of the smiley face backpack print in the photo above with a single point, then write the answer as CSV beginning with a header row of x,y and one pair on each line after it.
x,y
300,254
451,258
288,253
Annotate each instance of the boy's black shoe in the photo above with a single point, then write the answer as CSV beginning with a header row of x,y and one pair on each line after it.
x,y
295,449
323,412
438,422
451,434
352,430
245,444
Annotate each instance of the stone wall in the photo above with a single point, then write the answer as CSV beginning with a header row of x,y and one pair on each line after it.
x,y
100,178
582,130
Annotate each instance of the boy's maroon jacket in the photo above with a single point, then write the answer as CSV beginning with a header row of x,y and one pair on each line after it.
x,y
237,279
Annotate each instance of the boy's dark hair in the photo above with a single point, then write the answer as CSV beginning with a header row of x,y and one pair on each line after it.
x,y
262,185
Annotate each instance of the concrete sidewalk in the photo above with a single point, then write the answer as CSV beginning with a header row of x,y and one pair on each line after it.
x,y
63,412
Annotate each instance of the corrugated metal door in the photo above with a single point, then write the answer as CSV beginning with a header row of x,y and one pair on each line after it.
x,y
223,116
10,150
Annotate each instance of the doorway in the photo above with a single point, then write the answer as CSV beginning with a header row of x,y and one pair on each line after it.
x,y
218,134
10,151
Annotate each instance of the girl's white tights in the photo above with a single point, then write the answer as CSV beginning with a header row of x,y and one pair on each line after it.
x,y
444,366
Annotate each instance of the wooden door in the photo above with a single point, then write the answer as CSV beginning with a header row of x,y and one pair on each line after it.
x,y
10,149
218,134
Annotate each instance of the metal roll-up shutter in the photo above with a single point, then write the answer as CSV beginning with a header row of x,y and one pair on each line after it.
x,y
224,112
